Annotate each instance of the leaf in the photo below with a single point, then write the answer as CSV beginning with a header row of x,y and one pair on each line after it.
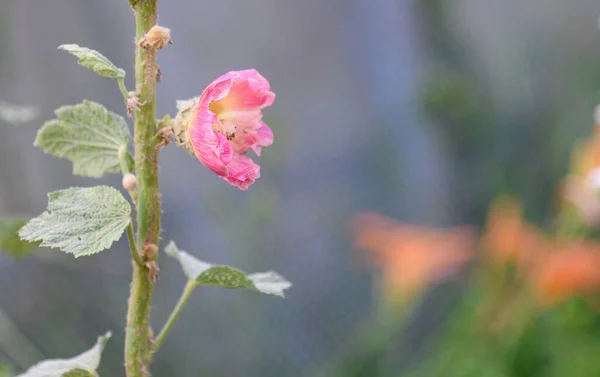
x,y
80,221
87,134
270,282
16,113
227,277
94,60
9,239
78,373
86,362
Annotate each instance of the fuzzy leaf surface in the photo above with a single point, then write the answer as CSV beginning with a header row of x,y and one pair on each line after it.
x,y
94,61
88,135
80,221
73,367
203,273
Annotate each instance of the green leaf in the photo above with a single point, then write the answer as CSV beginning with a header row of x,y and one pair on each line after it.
x,y
87,134
94,60
78,373
9,239
80,221
227,277
16,113
86,362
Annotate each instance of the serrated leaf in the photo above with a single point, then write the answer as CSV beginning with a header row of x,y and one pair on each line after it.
x,y
87,134
94,60
80,221
16,113
87,361
203,273
9,239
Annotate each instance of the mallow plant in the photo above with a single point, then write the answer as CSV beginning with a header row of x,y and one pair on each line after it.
x,y
219,128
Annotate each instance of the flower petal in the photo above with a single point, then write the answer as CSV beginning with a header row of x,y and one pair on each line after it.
x,y
252,138
248,90
216,90
242,172
211,148
264,138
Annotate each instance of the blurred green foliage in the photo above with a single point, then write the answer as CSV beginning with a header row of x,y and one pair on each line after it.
x,y
4,370
10,241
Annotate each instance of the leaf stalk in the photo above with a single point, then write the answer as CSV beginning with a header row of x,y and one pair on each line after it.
x,y
185,296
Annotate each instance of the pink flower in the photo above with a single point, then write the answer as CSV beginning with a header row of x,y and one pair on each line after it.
x,y
227,121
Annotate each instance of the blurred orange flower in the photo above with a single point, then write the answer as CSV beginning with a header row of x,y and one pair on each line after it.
x,y
508,237
556,270
572,269
412,257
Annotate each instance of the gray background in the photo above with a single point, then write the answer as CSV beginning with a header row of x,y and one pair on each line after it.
x,y
351,134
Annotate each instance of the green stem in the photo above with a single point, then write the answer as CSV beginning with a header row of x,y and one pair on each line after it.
x,y
122,87
134,250
137,339
187,292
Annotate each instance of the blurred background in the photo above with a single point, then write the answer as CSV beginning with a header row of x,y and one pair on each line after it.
x,y
422,111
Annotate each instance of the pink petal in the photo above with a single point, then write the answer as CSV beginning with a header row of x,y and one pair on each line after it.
x,y
258,83
211,148
264,138
216,90
248,90
243,119
253,138
242,172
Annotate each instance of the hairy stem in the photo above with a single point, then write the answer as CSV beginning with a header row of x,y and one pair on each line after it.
x,y
138,333
187,292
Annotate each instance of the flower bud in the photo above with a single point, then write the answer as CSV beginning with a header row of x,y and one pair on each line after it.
x,y
157,37
149,251
132,104
129,182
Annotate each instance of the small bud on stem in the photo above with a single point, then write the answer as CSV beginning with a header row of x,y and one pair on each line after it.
x,y
157,38
149,251
129,182
132,103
